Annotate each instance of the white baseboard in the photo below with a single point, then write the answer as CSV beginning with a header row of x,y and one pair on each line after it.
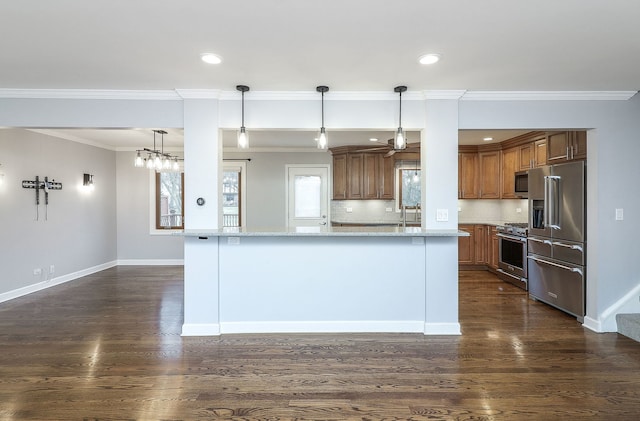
x,y
200,329
442,329
20,292
366,326
151,262
592,324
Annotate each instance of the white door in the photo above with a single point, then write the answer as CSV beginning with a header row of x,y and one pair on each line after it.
x,y
307,196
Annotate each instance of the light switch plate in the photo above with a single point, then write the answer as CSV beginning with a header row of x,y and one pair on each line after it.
x,y
233,241
442,215
619,214
349,210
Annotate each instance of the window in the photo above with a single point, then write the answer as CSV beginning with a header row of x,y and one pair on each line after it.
x,y
231,197
409,193
169,200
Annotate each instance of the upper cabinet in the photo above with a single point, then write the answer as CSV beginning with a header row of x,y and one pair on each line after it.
x,y
362,175
488,172
566,146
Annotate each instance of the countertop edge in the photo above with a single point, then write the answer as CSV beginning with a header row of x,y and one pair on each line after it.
x,y
329,232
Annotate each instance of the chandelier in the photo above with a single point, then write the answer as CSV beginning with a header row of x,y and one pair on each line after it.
x,y
156,159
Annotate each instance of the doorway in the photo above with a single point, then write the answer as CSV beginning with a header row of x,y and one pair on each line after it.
x,y
307,195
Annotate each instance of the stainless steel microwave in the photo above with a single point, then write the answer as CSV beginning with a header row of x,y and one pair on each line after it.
x,y
521,184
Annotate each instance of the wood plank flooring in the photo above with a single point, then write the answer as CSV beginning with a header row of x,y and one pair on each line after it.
x,y
108,347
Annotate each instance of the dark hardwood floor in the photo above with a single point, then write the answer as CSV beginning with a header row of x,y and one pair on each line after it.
x,y
108,347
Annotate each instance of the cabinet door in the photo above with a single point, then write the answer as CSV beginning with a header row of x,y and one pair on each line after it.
x,y
578,145
468,175
489,175
525,157
480,244
494,247
509,167
540,153
340,177
466,246
355,168
370,176
386,176
557,147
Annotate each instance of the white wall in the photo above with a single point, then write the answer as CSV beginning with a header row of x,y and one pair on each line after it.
x,y
135,243
266,183
80,230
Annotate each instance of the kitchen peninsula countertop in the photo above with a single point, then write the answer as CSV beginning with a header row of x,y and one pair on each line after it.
x,y
370,231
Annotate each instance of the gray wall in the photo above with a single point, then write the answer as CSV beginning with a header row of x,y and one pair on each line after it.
x,y
134,239
266,188
80,232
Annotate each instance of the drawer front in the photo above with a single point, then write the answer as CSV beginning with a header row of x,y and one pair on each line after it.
x,y
557,284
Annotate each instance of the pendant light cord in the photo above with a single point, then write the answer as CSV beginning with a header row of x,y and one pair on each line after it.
x,y
242,108
322,108
400,116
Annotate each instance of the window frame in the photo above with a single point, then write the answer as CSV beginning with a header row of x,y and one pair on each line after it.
x,y
156,204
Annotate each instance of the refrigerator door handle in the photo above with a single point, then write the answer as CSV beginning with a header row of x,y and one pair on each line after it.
x,y
539,241
572,246
554,200
546,262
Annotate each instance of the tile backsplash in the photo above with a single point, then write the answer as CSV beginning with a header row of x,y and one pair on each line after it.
x,y
364,211
484,210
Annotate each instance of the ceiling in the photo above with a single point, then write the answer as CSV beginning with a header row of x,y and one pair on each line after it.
x,y
293,45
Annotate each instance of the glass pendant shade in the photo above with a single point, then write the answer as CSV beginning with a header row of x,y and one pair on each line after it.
x,y
157,162
176,167
166,164
399,141
139,162
322,139
149,162
243,138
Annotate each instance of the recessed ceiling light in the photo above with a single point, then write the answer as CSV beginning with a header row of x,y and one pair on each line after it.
x,y
210,58
487,139
429,58
373,139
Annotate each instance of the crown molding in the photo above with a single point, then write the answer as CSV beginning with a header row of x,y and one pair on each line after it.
x,y
311,149
199,93
88,94
548,95
181,94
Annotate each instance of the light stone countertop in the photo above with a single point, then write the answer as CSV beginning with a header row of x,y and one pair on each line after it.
x,y
380,231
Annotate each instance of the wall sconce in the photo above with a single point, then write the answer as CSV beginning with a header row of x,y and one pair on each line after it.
x,y
87,181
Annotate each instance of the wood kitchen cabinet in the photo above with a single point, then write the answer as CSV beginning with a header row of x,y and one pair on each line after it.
x,y
362,175
378,176
493,247
481,241
340,177
510,164
466,245
468,175
489,171
532,154
566,146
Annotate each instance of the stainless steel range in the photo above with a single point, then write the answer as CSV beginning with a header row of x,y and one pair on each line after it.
x,y
512,260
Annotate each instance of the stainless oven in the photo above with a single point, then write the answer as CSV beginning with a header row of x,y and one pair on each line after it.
x,y
512,257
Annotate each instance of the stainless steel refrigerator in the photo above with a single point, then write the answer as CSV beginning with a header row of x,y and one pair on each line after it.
x,y
556,243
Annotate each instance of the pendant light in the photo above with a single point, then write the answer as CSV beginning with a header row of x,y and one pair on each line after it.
x,y
243,137
156,159
322,136
400,142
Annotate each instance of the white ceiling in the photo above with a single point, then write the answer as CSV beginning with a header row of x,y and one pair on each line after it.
x,y
293,45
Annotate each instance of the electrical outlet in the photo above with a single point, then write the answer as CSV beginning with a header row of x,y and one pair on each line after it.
x,y
37,272
52,269
518,210
233,241
389,209
349,210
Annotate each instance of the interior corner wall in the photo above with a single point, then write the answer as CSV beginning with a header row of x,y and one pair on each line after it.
x,y
77,231
266,183
135,242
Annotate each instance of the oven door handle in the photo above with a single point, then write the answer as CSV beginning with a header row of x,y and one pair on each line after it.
x,y
512,237
546,262
540,241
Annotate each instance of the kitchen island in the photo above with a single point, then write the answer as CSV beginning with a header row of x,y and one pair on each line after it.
x,y
320,279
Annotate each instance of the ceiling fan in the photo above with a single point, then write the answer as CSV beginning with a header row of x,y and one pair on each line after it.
x,y
390,148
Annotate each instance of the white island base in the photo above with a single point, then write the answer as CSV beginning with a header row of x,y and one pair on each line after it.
x,y
335,280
